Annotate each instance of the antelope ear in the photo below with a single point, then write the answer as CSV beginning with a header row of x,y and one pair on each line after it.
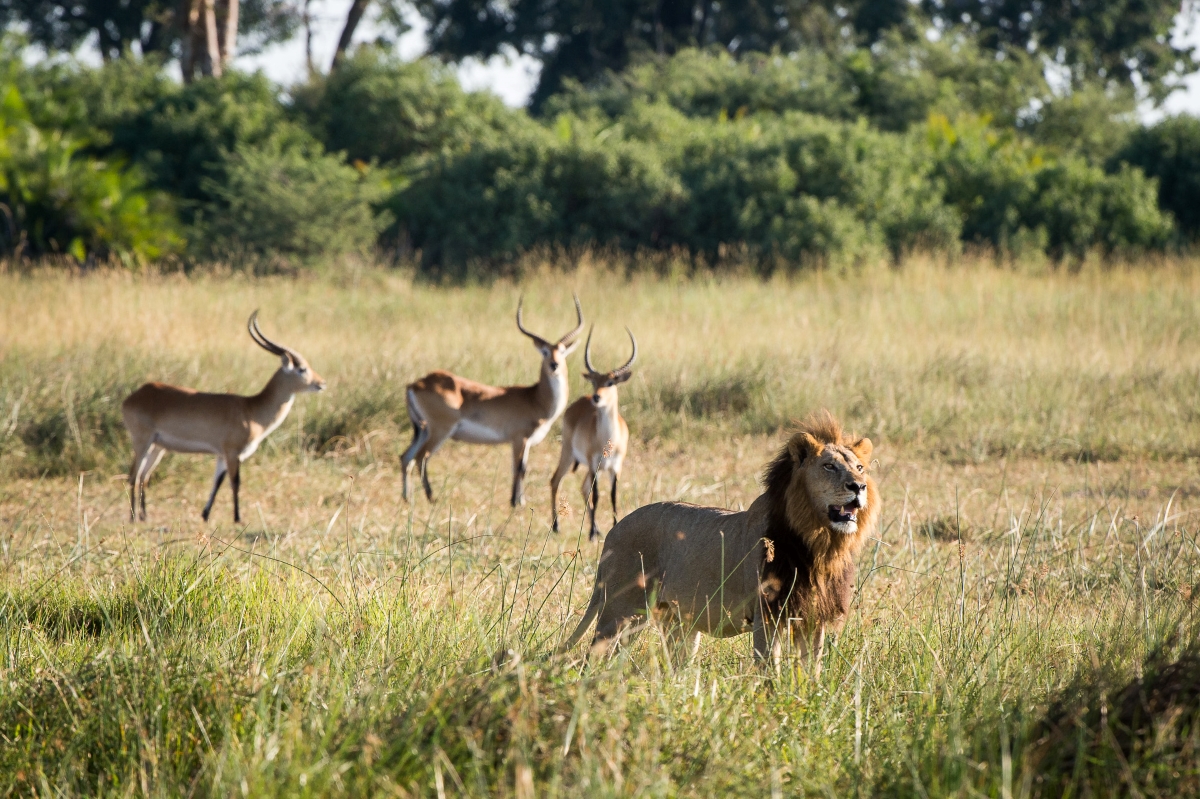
x,y
623,377
863,448
803,446
287,362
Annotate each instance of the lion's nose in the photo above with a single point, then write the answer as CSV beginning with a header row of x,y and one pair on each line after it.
x,y
856,487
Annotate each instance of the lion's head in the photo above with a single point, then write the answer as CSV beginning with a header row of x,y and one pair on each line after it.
x,y
820,482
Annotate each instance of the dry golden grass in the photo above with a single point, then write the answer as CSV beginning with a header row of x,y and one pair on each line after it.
x,y
1036,453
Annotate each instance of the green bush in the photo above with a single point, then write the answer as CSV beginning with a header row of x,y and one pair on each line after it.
x,y
376,107
709,83
1170,152
795,187
55,199
183,139
533,188
1009,191
289,205
896,83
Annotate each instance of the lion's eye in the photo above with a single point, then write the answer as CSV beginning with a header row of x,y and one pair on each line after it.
x,y
829,467
860,467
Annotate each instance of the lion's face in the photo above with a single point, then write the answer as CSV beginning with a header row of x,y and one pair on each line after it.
x,y
835,477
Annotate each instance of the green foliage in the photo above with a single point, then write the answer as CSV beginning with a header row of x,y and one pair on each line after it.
x,y
1170,153
895,84
1127,41
536,188
376,107
55,200
581,42
708,83
1089,120
290,204
1012,194
185,137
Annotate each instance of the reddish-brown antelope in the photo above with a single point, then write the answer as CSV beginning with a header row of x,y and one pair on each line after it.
x,y
595,435
162,419
445,406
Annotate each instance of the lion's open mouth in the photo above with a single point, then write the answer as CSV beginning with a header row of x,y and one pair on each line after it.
x,y
843,514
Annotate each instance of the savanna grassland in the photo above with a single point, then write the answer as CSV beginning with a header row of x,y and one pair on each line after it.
x,y
1024,624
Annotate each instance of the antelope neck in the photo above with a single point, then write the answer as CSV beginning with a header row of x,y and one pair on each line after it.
x,y
274,401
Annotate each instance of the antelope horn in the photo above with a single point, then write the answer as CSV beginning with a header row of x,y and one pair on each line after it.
x,y
261,340
536,338
587,353
574,334
625,369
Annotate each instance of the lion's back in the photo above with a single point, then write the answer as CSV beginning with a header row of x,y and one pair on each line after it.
x,y
664,532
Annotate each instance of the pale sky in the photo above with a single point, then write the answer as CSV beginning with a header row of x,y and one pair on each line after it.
x,y
513,79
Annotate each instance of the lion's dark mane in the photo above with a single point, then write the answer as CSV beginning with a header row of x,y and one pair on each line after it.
x,y
806,593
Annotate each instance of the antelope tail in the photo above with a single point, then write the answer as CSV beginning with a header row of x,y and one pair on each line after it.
x,y
589,615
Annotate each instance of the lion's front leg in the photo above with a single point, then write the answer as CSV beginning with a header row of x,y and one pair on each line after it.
x,y
810,640
767,642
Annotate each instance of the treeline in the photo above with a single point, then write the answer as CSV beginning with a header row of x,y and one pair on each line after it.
x,y
819,155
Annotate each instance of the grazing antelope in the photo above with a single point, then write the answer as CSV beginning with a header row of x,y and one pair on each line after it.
x,y
163,419
442,406
594,434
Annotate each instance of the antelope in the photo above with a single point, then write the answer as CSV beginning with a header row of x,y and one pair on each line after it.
x,y
162,419
594,434
445,406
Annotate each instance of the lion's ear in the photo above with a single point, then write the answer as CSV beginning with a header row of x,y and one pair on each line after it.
x,y
803,446
863,448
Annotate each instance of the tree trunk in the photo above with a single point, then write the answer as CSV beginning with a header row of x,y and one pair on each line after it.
x,y
212,46
229,40
189,19
308,34
357,9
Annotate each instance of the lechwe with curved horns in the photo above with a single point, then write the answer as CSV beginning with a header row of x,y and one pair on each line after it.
x,y
595,435
162,419
444,406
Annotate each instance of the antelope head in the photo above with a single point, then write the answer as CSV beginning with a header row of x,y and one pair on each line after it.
x,y
554,356
604,384
295,373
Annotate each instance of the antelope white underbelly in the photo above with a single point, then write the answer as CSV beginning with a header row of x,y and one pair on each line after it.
x,y
471,432
178,444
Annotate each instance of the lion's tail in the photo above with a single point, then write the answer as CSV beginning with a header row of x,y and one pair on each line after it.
x,y
589,615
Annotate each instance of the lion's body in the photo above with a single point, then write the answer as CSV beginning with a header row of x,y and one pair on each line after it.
x,y
782,564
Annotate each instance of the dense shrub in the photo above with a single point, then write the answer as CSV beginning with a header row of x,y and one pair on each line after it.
x,y
895,83
533,188
1170,152
184,138
796,187
55,200
1012,194
375,106
290,204
709,83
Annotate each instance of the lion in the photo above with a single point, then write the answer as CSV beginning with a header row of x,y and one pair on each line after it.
x,y
784,564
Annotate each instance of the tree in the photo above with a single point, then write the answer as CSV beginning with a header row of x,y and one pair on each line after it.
x,y
1126,41
204,34
582,39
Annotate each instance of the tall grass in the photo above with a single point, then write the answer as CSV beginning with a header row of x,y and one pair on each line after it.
x,y
1024,624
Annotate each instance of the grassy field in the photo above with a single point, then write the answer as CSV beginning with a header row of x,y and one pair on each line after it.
x,y
1024,624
